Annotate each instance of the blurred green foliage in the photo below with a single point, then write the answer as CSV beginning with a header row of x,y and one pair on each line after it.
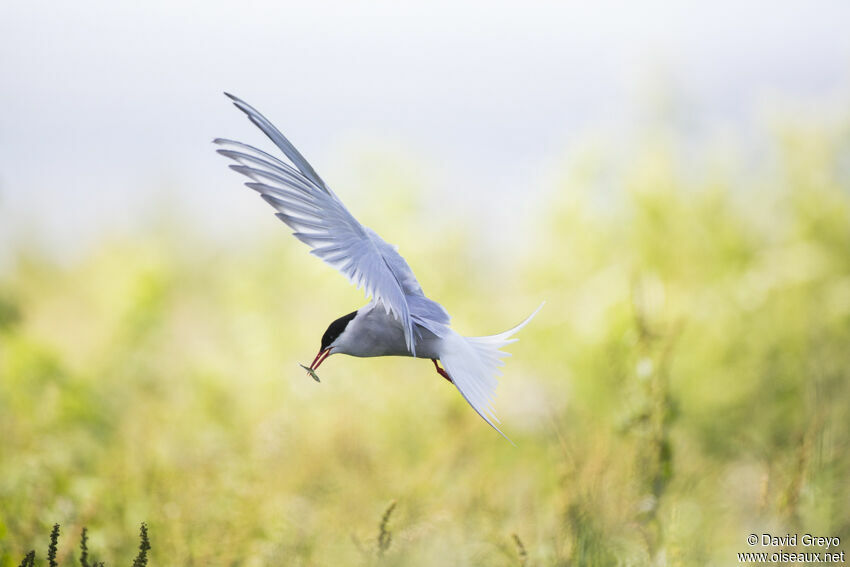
x,y
685,386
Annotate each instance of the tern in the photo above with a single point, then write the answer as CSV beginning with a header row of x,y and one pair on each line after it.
x,y
399,319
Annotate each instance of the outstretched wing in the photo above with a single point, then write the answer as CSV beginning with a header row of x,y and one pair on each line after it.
x,y
307,205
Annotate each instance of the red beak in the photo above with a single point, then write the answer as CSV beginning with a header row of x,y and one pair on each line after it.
x,y
320,358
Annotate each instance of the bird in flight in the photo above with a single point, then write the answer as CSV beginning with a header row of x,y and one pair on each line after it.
x,y
399,320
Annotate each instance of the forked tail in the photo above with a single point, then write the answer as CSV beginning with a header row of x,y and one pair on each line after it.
x,y
473,364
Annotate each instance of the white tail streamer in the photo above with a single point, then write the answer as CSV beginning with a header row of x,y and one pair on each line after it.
x,y
473,364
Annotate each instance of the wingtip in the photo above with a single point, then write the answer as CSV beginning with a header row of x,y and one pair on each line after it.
x,y
242,105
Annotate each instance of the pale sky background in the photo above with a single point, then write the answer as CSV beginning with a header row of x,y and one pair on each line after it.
x,y
108,107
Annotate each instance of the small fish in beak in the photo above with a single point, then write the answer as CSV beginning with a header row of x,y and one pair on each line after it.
x,y
311,372
320,358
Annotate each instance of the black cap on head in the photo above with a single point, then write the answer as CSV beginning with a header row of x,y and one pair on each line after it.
x,y
336,328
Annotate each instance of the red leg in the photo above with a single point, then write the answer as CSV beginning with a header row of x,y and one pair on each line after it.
x,y
441,372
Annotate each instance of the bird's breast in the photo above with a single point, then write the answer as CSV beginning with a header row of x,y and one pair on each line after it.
x,y
376,333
